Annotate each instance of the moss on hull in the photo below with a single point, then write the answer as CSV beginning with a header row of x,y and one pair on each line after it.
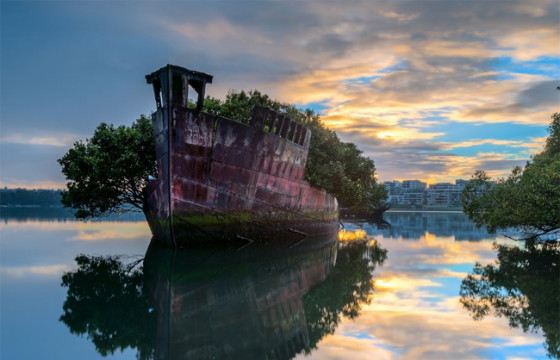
x,y
243,228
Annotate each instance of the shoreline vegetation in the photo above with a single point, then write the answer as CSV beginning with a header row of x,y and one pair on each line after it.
x,y
30,198
518,285
527,200
19,198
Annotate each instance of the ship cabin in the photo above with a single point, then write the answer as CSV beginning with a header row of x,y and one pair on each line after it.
x,y
171,85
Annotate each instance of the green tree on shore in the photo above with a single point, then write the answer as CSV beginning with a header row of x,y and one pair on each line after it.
x,y
109,171
528,199
522,285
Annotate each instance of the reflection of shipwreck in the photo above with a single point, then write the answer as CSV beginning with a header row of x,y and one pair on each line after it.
x,y
259,303
218,178
226,307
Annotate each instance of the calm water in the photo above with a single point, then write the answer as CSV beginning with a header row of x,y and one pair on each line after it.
x,y
386,293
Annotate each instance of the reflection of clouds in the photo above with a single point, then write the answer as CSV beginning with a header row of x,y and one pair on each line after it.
x,y
444,250
112,231
394,282
348,347
418,333
44,250
416,313
87,230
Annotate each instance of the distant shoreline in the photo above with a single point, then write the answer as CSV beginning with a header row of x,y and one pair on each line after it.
x,y
30,206
426,210
60,206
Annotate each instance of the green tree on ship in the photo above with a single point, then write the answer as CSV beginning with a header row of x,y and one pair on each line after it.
x,y
108,172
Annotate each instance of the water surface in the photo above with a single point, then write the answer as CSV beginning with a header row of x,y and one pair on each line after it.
x,y
386,293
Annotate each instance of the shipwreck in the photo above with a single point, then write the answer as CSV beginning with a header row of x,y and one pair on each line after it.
x,y
222,181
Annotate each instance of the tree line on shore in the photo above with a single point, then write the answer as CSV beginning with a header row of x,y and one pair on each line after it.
x,y
522,283
30,197
528,199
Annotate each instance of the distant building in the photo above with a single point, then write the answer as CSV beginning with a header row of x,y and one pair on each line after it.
x,y
394,192
439,195
417,194
414,185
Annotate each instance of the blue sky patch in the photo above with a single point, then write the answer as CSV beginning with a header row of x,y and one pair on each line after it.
x,y
362,80
318,107
473,150
459,131
548,66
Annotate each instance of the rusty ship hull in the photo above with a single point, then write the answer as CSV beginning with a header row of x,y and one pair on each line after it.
x,y
223,181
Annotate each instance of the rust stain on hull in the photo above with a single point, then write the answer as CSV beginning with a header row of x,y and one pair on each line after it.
x,y
220,179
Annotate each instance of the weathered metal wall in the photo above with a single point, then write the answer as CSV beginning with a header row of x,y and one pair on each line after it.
x,y
222,165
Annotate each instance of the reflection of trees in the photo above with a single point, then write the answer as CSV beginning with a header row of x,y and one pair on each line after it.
x,y
118,305
105,301
345,290
523,285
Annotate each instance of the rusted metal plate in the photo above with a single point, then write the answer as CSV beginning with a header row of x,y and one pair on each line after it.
x,y
210,165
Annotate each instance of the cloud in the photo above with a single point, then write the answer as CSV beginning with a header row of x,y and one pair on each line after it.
x,y
386,73
533,105
476,142
60,140
54,270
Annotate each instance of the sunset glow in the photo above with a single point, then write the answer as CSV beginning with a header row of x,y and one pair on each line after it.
x,y
429,90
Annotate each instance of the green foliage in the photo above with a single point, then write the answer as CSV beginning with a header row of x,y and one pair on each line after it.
x,y
522,286
553,141
110,170
339,168
528,199
105,301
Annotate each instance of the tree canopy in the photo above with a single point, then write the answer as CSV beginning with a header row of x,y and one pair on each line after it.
x,y
522,286
338,167
528,199
109,171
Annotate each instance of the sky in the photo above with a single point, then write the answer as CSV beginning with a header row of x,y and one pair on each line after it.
x,y
430,90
